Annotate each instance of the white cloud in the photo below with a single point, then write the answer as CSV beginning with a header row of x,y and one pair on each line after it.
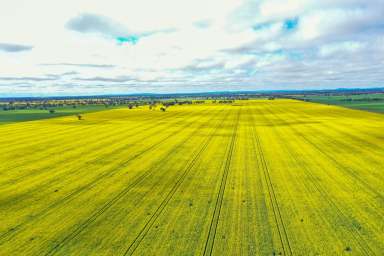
x,y
343,47
280,9
92,23
6,47
188,45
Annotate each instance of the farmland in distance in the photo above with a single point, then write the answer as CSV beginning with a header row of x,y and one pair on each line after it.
x,y
256,177
373,102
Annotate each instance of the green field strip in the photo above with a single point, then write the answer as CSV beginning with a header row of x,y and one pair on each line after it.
x,y
29,115
362,102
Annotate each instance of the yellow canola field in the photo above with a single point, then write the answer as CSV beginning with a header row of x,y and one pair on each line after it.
x,y
257,177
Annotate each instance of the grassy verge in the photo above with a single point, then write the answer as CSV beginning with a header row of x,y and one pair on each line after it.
x,y
368,102
20,115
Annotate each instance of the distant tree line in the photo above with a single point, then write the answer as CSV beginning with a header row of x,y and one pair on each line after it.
x,y
226,101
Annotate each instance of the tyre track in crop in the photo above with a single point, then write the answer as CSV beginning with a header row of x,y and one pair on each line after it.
x,y
78,129
59,177
325,195
341,115
341,215
257,188
76,126
52,179
350,171
81,132
44,137
32,128
105,174
347,170
120,195
282,231
306,187
371,147
339,130
365,248
148,225
209,244
91,150
368,146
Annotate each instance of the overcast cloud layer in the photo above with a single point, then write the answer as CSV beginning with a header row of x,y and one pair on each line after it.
x,y
125,46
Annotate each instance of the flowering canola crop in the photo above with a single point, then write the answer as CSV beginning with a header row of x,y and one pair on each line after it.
x,y
256,177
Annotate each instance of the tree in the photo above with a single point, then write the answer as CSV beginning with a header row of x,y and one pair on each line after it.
x,y
79,117
51,111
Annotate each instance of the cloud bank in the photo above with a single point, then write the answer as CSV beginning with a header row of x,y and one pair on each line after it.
x,y
14,47
120,46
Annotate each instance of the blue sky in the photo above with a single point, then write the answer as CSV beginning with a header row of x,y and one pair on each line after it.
x,y
82,47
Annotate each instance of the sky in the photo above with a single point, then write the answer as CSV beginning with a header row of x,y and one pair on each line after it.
x,y
89,47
